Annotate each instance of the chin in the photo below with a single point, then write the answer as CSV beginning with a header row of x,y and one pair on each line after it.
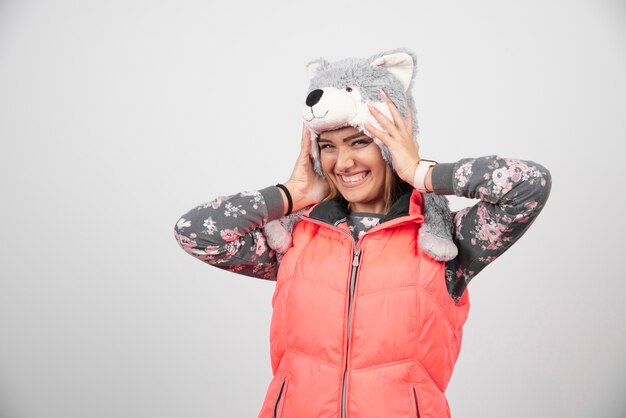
x,y
354,196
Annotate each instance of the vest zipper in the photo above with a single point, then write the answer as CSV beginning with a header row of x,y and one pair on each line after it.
x,y
355,266
356,251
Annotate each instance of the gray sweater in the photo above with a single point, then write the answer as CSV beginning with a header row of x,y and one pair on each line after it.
x,y
226,231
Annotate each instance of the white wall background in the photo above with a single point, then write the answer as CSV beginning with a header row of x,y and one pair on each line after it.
x,y
118,117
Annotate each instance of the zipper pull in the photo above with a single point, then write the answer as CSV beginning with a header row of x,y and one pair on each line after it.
x,y
355,260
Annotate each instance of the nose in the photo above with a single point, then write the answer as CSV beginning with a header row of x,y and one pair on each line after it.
x,y
345,160
314,97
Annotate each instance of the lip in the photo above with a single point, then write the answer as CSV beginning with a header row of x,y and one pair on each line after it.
x,y
356,183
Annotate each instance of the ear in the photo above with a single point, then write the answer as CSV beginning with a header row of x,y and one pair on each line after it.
x,y
315,66
399,64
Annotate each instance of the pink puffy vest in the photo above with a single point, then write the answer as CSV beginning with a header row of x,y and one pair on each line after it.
x,y
366,330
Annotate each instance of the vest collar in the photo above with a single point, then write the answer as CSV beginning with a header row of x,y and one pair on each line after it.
x,y
332,211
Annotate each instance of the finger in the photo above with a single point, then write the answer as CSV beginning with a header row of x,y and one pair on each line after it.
x,y
409,117
382,135
306,131
383,120
398,119
305,143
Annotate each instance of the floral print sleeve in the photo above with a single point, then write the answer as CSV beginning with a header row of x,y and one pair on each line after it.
x,y
512,193
227,232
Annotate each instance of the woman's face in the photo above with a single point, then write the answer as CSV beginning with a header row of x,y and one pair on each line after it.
x,y
353,163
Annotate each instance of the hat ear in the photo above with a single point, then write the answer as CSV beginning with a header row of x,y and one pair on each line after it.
x,y
400,64
315,66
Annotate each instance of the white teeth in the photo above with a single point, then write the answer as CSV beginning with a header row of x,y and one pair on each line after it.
x,y
353,179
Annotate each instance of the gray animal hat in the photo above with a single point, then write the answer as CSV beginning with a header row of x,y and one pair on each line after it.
x,y
336,98
338,93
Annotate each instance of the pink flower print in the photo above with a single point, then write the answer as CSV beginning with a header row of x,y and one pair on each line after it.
x,y
514,173
229,234
521,218
185,242
212,249
459,272
490,232
530,205
209,224
208,254
369,221
235,268
183,223
458,221
232,210
216,203
483,214
487,229
519,165
232,247
463,174
501,180
260,246
488,259
500,177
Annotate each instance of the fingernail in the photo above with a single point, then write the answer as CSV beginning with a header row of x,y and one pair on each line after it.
x,y
382,92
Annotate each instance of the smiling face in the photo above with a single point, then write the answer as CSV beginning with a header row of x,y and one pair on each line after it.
x,y
352,162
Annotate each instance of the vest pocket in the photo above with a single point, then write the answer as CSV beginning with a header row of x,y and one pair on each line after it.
x,y
279,402
414,401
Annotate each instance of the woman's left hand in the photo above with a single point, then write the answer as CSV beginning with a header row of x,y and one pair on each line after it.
x,y
398,136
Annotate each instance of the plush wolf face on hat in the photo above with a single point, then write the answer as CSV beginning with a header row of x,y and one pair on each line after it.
x,y
338,93
336,98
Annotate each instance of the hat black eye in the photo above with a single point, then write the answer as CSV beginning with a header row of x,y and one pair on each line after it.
x,y
348,89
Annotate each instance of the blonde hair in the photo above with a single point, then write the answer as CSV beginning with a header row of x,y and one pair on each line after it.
x,y
392,185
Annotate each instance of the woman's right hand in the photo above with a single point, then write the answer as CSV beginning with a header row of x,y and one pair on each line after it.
x,y
304,185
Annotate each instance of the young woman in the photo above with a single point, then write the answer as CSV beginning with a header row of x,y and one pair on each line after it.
x,y
365,324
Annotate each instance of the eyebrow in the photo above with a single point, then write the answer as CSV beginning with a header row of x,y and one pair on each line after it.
x,y
356,135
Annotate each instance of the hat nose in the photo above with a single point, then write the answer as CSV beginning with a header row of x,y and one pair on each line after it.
x,y
314,97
